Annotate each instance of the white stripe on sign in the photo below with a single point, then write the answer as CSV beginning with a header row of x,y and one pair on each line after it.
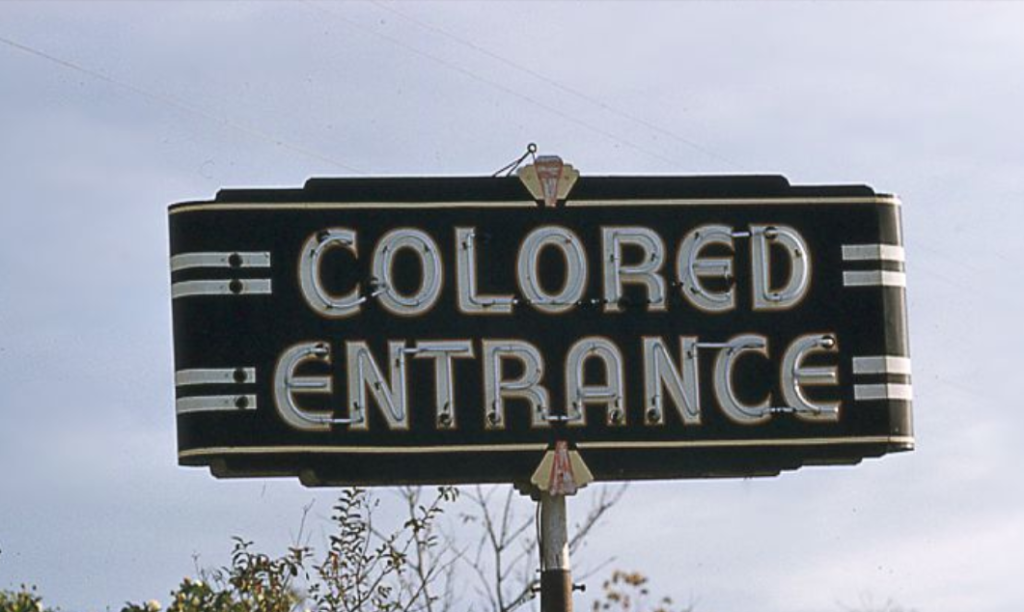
x,y
874,278
873,252
215,403
219,376
867,393
886,364
185,261
220,287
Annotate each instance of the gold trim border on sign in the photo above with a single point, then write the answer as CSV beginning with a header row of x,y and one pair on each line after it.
x,y
877,200
537,447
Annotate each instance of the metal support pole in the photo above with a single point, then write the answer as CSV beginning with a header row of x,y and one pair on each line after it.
x,y
555,574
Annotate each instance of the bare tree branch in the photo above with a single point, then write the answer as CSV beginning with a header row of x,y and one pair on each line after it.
x,y
606,499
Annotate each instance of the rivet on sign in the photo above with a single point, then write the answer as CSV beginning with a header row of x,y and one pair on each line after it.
x,y
240,375
235,260
242,402
235,286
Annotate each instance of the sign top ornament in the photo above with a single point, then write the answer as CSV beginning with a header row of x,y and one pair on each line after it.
x,y
549,179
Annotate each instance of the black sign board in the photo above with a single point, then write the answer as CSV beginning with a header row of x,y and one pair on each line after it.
x,y
449,330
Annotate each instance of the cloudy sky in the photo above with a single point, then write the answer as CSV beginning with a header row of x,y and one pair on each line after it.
x,y
109,112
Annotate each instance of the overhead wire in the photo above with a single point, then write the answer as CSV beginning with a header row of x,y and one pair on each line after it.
x,y
175,103
494,84
556,84
181,105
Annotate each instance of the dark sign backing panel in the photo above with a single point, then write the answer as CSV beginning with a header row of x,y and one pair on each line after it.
x,y
448,330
